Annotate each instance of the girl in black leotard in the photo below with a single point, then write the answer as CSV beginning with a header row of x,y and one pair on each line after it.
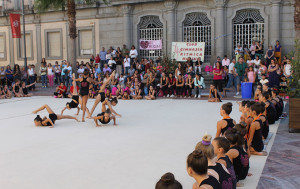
x,y
265,124
164,82
179,86
7,92
107,115
221,146
237,155
226,123
254,140
271,113
151,93
84,90
101,95
215,169
197,167
25,89
17,89
38,121
213,94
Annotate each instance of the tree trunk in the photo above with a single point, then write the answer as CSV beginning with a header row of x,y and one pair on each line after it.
x,y
297,18
72,33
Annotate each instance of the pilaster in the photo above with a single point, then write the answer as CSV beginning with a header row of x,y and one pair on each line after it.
x,y
126,9
170,6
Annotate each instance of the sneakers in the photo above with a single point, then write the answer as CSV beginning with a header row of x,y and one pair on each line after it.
x,y
168,96
199,96
172,96
237,94
196,96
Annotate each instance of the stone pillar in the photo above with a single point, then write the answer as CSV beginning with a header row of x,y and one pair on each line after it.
x,y
127,26
275,21
11,48
220,29
171,24
38,42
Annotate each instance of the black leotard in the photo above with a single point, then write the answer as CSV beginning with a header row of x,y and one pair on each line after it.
x,y
240,163
230,169
84,89
53,118
271,113
102,120
225,179
102,95
211,181
17,88
25,90
73,104
265,127
164,81
257,142
213,95
229,125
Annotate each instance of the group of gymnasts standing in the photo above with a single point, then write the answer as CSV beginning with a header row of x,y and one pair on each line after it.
x,y
107,112
223,162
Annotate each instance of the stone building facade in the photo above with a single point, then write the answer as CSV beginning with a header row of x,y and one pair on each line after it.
x,y
221,24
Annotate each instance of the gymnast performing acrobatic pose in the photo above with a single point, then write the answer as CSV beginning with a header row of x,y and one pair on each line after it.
x,y
106,116
101,97
38,121
76,100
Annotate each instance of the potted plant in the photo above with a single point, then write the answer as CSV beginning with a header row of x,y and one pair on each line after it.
x,y
293,90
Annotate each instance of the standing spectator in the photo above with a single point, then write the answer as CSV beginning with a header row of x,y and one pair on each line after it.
x,y
246,52
97,71
287,70
218,60
126,64
68,76
252,49
92,59
218,71
102,58
251,77
131,71
269,55
125,51
198,65
9,75
113,52
258,49
108,56
133,52
273,76
240,69
17,72
119,64
43,72
112,63
239,52
43,61
63,71
261,70
50,74
278,51
118,52
57,73
225,61
232,75
31,76
2,76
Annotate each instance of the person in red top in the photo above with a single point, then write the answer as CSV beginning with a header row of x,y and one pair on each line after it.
x,y
97,59
147,65
60,91
171,85
218,71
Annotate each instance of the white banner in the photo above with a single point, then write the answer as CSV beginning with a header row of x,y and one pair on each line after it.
x,y
182,50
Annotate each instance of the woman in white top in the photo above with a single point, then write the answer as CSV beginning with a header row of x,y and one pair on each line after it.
x,y
256,61
112,63
179,70
108,56
287,69
31,76
50,73
133,52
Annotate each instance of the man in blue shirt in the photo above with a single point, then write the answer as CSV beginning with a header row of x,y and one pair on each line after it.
x,y
102,57
97,70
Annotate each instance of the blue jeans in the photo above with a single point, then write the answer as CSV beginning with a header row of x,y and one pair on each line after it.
x,y
126,70
44,80
31,80
231,78
67,81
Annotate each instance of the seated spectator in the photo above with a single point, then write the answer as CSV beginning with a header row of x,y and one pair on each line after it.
x,y
126,96
171,85
106,69
199,85
61,91
213,94
137,93
151,93
263,80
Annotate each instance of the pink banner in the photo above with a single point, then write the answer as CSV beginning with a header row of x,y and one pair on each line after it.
x,y
150,44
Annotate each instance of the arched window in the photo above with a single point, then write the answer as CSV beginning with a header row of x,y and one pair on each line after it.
x,y
197,28
150,28
248,25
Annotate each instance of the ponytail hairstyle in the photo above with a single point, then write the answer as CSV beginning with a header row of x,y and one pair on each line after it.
x,y
222,142
206,147
227,108
38,118
234,137
198,162
241,128
167,181
256,108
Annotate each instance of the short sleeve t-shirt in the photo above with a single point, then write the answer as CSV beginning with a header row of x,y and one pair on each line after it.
x,y
231,66
64,88
240,68
217,77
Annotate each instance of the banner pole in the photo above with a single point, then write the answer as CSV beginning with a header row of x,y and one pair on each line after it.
x,y
24,37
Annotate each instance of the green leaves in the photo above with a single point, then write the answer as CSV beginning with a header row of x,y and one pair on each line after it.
x,y
293,89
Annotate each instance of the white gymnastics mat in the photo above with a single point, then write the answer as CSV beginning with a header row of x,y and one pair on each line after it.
x,y
152,138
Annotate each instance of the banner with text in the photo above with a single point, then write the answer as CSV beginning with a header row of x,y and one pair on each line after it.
x,y
15,25
150,44
182,50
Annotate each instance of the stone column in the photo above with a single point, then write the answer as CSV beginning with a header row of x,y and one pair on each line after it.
x,y
127,26
275,21
38,42
11,47
220,29
171,24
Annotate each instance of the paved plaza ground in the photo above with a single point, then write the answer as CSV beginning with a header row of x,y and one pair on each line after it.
x,y
152,138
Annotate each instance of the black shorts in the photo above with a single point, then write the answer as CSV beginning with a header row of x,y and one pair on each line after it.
x,y
73,104
102,95
53,117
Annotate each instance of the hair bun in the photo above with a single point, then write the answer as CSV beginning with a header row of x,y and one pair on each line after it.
x,y
168,179
229,104
243,124
198,154
207,138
